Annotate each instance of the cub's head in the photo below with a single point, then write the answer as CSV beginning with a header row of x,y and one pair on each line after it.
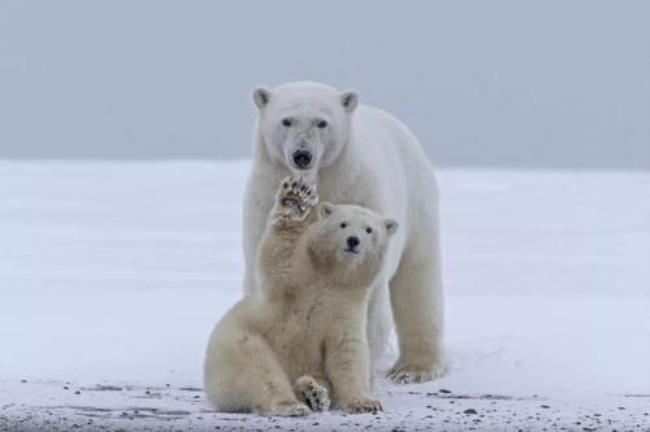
x,y
350,240
304,125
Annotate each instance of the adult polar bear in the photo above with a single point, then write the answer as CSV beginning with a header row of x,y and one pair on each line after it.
x,y
360,155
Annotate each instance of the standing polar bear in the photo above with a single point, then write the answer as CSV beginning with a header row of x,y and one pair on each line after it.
x,y
359,155
300,339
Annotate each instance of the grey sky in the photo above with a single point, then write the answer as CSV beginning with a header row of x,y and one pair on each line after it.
x,y
505,83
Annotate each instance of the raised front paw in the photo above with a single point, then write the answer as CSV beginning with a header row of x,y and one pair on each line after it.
x,y
362,404
295,199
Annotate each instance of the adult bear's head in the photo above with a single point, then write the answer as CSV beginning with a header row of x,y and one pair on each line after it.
x,y
304,125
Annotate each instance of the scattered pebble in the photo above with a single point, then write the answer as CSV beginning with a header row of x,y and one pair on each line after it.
x,y
190,412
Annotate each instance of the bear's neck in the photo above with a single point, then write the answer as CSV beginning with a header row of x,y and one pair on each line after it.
x,y
356,279
343,176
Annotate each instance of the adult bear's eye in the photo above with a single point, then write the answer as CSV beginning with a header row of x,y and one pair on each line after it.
x,y
343,225
322,124
286,122
369,230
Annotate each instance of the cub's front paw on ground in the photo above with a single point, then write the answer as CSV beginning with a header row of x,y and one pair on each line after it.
x,y
286,409
295,198
363,404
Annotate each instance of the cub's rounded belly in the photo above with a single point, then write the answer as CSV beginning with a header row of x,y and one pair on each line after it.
x,y
298,340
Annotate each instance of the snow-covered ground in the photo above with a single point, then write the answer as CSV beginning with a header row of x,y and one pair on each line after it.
x,y
112,275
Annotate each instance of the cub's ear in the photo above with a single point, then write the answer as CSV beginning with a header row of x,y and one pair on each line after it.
x,y
325,209
350,100
261,97
391,226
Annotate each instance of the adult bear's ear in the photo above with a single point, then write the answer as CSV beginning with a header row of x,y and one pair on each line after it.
x,y
391,226
350,100
325,209
261,97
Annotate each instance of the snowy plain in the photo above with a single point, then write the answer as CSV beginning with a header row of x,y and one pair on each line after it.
x,y
112,276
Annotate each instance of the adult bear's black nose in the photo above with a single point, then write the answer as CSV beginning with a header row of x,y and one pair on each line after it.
x,y
353,242
302,159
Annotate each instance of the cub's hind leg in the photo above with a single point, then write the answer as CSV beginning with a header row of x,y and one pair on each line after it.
x,y
315,395
243,374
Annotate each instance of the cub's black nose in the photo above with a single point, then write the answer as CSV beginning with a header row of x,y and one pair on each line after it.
x,y
353,241
301,158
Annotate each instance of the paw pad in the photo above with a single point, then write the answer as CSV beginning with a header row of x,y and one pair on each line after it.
x,y
296,197
314,394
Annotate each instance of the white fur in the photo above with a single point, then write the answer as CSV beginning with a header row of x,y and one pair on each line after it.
x,y
300,339
364,156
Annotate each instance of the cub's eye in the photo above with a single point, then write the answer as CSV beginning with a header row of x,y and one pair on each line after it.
x,y
343,224
287,122
369,230
322,124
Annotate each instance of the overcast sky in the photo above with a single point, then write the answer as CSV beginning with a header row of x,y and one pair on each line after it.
x,y
502,83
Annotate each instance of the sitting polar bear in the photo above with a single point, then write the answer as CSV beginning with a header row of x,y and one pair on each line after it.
x,y
358,155
300,338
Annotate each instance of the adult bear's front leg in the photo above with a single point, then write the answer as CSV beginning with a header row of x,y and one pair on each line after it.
x,y
416,297
258,201
380,321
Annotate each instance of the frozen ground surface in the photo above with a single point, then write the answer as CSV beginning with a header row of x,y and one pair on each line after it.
x,y
112,276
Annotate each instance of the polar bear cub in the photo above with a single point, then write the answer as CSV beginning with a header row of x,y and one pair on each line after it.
x,y
299,343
